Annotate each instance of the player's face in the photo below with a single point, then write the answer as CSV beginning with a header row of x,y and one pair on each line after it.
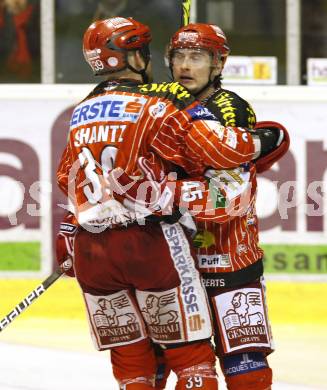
x,y
192,68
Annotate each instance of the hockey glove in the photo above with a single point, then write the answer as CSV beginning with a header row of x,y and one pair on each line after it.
x,y
65,241
275,142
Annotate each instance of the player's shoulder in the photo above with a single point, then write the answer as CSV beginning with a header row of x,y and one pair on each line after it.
x,y
231,109
223,97
170,91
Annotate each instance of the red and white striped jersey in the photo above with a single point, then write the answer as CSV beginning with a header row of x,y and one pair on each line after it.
x,y
234,244
228,246
119,122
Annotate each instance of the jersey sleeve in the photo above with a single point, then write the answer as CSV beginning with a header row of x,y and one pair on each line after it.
x,y
221,196
218,146
196,142
231,110
63,170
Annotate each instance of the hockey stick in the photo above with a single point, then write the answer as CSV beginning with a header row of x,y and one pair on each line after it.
x,y
31,297
186,12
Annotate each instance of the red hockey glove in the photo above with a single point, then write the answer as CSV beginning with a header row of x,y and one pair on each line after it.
x,y
275,151
65,242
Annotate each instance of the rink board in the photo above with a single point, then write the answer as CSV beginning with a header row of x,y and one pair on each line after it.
x,y
35,123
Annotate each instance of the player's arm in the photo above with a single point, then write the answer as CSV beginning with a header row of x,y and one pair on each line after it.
x,y
228,147
274,138
65,241
217,197
63,170
194,135
221,147
66,176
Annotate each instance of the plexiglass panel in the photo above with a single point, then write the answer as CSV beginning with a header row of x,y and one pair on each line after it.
x,y
74,16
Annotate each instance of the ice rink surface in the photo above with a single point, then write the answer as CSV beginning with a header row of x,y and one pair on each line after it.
x,y
49,346
37,368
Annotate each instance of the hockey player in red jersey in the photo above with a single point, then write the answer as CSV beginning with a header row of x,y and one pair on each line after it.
x,y
137,274
228,254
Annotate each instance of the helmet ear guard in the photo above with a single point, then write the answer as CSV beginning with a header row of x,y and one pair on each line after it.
x,y
107,42
105,60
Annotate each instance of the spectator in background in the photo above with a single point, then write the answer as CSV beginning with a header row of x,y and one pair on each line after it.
x,y
20,39
2,11
110,8
19,60
3,41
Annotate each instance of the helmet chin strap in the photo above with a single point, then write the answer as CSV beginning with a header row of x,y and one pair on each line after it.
x,y
146,56
209,83
142,72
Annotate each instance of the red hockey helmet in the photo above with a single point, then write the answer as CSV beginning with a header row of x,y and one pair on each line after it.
x,y
202,36
106,42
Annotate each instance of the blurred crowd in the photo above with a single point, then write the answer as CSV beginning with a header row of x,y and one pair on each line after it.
x,y
19,43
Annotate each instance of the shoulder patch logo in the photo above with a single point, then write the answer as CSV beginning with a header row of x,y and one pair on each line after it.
x,y
158,110
200,112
